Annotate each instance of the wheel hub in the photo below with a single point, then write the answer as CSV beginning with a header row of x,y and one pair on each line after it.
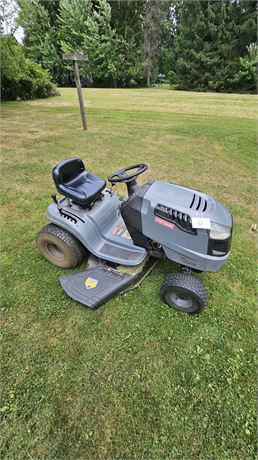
x,y
55,251
183,301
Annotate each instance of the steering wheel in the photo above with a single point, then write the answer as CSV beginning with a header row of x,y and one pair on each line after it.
x,y
122,176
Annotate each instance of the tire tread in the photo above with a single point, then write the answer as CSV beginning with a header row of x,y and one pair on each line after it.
x,y
76,248
187,282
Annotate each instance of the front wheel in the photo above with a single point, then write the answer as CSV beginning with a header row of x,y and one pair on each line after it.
x,y
184,293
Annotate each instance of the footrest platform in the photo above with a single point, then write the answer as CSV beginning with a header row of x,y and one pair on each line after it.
x,y
95,286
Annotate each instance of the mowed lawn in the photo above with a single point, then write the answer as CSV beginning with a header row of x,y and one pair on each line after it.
x,y
134,379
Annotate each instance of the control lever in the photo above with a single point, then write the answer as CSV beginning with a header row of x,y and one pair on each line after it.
x,y
53,196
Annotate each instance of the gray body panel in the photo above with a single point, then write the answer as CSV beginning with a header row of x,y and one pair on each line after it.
x,y
102,230
178,245
99,228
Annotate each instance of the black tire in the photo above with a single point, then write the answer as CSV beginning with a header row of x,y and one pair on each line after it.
x,y
59,247
184,292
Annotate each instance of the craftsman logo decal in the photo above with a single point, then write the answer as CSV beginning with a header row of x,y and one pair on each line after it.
x,y
91,283
163,222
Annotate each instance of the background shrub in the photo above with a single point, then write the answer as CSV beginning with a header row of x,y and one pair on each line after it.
x,y
19,76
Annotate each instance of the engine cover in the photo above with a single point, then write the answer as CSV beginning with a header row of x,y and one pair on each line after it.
x,y
167,214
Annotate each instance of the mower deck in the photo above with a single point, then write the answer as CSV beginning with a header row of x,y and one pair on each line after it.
x,y
95,286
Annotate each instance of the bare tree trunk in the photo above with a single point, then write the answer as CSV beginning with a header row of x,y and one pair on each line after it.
x,y
148,78
149,64
152,37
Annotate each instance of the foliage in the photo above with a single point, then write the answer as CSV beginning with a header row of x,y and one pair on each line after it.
x,y
39,20
209,41
19,76
127,19
76,27
108,47
198,45
247,75
92,33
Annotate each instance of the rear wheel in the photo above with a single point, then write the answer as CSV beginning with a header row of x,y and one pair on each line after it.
x,y
59,247
184,293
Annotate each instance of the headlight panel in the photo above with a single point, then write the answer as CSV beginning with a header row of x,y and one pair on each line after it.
x,y
219,232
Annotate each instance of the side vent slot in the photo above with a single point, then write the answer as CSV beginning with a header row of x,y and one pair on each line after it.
x,y
198,203
191,205
68,217
180,219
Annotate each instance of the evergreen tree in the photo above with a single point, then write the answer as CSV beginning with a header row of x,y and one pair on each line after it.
x,y
211,36
168,30
127,18
246,78
76,24
108,50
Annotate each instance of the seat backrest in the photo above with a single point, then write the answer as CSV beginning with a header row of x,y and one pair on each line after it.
x,y
67,170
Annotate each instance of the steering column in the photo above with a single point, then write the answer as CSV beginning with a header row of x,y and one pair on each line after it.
x,y
129,179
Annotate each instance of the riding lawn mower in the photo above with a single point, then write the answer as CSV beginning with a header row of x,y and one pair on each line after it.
x,y
124,239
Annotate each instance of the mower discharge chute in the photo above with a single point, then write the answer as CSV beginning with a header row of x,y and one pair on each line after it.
x,y
125,239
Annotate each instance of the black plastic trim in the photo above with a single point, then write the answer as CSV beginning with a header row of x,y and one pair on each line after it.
x,y
131,213
219,248
181,220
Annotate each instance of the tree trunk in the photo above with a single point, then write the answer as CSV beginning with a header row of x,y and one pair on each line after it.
x,y
148,73
152,36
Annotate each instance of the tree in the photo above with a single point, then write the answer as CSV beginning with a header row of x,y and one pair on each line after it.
x,y
86,28
209,40
127,18
76,27
39,21
168,29
246,77
108,50
200,45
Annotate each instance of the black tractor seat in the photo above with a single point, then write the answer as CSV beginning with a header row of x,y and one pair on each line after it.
x,y
73,181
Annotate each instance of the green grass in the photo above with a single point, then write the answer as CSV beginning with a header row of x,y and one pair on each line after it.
x,y
134,379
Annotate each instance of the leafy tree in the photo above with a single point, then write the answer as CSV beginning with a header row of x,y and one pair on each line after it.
x,y
39,21
200,45
76,28
76,24
88,29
